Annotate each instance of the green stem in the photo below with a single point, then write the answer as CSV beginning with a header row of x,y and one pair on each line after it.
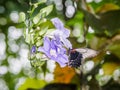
x,y
29,27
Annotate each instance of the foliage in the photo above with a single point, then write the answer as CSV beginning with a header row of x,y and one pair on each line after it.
x,y
25,23
32,83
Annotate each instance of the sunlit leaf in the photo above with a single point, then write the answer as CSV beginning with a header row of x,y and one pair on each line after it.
x,y
99,57
78,18
36,20
28,38
47,10
43,13
39,2
32,83
107,7
108,68
115,48
37,63
39,42
43,31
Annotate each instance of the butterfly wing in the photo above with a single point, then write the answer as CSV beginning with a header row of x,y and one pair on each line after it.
x,y
87,53
77,56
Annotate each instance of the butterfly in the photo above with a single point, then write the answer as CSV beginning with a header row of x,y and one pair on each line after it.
x,y
77,56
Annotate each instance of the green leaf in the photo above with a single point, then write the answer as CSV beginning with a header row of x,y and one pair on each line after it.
x,y
105,23
36,63
28,38
109,67
78,18
49,31
43,13
96,42
43,31
39,42
42,1
107,7
39,2
32,83
39,55
44,68
115,48
46,23
36,19
47,10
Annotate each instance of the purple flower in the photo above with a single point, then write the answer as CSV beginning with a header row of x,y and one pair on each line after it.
x,y
62,32
60,27
58,24
33,50
53,49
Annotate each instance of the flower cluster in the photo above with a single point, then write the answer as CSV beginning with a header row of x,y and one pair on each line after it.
x,y
55,48
62,32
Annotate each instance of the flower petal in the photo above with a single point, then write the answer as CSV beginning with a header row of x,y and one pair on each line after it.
x,y
62,60
46,44
41,49
57,33
57,40
63,51
66,43
33,50
66,32
57,22
53,44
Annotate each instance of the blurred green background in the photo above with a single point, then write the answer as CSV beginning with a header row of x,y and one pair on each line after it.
x,y
93,23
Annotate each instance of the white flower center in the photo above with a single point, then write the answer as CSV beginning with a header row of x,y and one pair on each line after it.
x,y
53,52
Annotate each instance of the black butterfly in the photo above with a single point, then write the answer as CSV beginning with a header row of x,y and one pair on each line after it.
x,y
76,56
